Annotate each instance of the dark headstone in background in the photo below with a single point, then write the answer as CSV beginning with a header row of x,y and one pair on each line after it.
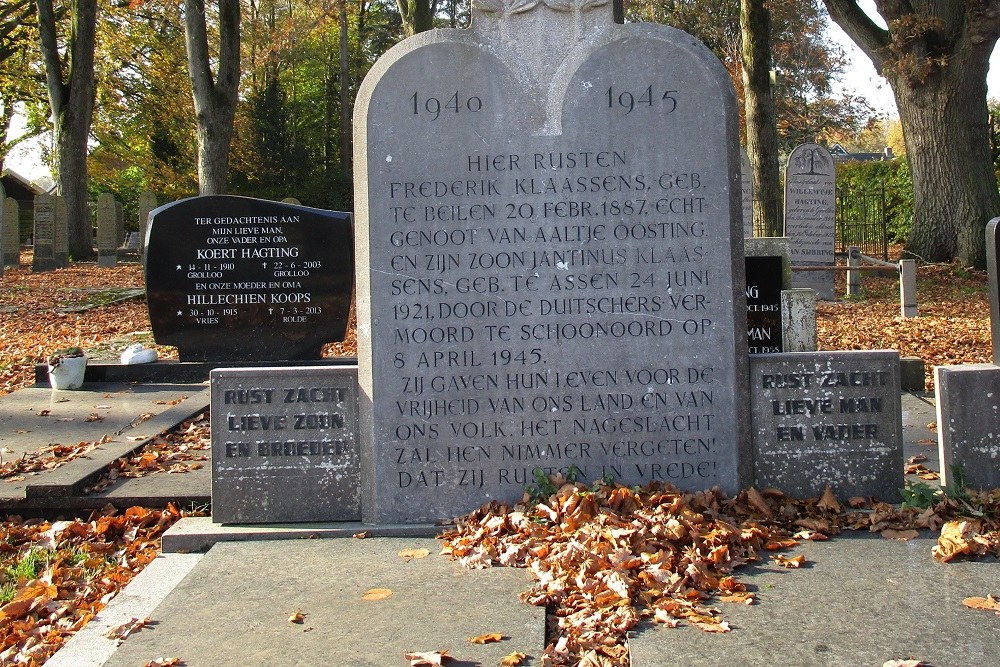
x,y
824,418
968,417
285,445
764,304
240,279
992,252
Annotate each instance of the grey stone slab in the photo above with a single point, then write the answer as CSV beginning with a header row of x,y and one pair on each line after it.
x,y
44,234
285,445
107,230
993,270
91,646
549,244
200,533
233,608
147,202
861,600
810,215
968,411
828,418
11,233
23,430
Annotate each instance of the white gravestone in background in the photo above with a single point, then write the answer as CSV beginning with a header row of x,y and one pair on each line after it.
x,y
550,264
810,216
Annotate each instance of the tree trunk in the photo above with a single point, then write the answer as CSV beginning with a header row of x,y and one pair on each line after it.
x,y
72,106
345,96
417,16
946,129
762,131
214,100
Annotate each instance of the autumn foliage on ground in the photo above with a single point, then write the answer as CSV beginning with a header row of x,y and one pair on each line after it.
x,y
56,576
608,557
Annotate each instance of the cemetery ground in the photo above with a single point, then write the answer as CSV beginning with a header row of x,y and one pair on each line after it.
x,y
608,562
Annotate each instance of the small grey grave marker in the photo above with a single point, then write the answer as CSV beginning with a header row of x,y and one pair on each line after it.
x,y
824,418
285,445
107,230
44,259
810,215
11,233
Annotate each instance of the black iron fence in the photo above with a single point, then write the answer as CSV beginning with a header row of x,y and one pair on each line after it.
x,y
861,222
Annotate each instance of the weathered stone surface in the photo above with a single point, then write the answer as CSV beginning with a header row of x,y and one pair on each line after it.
x,y
240,279
11,233
550,261
285,445
828,418
968,409
44,257
992,253
810,215
798,320
107,230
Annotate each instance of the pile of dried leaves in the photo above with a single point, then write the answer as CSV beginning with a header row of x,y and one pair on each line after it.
x,y
609,556
182,449
37,317
49,457
55,576
953,326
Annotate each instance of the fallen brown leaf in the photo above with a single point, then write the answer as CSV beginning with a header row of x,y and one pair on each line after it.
x,y
988,603
487,639
164,662
297,616
121,632
793,562
512,659
901,535
374,594
414,554
828,501
427,658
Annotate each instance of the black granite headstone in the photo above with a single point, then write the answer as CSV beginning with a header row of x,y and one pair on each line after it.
x,y
240,279
992,253
764,304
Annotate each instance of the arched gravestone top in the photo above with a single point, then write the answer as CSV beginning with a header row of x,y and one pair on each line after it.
x,y
548,227
810,215
240,279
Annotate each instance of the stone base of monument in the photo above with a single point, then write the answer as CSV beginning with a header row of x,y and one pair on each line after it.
x,y
175,371
285,444
107,259
828,418
911,374
968,417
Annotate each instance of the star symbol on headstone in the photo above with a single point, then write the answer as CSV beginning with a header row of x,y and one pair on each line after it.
x,y
179,267
179,313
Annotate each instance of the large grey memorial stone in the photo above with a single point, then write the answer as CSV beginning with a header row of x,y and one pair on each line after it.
x,y
968,417
285,445
550,263
107,230
828,418
746,192
11,231
60,231
810,215
44,259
